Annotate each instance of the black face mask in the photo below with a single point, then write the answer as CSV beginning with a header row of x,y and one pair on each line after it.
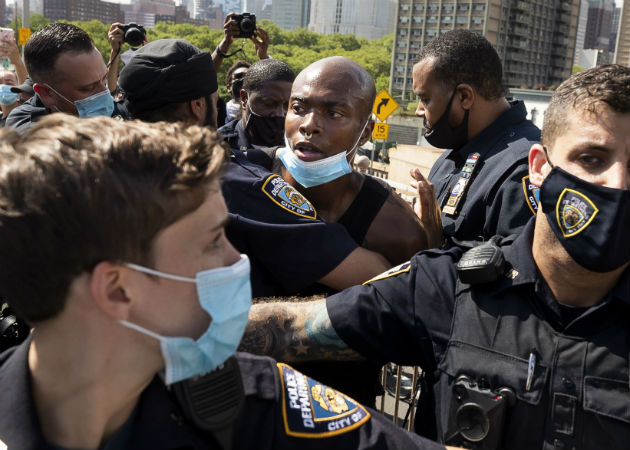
x,y
265,131
590,221
442,135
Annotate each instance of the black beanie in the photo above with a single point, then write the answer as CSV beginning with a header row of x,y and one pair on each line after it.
x,y
167,71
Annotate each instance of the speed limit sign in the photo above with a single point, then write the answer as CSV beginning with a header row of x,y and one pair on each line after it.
x,y
381,131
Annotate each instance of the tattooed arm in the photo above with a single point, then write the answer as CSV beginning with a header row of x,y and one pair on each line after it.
x,y
294,332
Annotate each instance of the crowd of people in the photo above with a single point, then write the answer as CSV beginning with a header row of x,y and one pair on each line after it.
x,y
206,275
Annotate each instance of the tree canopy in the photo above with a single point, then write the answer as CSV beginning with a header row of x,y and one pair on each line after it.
x,y
297,48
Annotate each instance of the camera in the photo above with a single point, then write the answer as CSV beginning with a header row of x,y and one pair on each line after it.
x,y
477,414
12,329
134,34
246,25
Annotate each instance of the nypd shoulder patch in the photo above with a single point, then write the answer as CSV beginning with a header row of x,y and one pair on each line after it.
x,y
313,410
404,267
532,194
574,211
287,197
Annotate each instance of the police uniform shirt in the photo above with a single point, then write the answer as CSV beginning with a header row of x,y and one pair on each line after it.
x,y
282,410
420,314
233,133
494,201
289,247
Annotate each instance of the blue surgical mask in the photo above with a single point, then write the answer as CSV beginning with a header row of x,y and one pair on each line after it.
x,y
226,294
99,104
315,173
6,96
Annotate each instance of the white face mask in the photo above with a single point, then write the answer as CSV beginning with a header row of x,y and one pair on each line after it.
x,y
226,294
315,173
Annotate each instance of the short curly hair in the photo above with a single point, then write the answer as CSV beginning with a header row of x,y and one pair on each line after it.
x,y
264,71
589,90
463,56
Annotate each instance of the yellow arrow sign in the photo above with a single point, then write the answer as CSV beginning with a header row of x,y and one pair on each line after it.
x,y
381,131
384,105
23,35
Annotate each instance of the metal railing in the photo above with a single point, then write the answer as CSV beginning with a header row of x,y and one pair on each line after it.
x,y
400,394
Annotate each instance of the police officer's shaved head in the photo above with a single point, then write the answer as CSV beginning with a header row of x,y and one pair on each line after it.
x,y
357,81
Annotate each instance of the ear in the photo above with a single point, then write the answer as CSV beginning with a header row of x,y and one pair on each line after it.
x,y
107,286
466,95
45,94
198,109
367,132
538,165
244,99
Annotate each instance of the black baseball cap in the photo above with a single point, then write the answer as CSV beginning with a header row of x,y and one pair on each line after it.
x,y
26,87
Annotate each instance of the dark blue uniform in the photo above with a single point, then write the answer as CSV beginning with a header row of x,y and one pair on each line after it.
x,y
282,410
24,116
420,314
278,228
234,135
495,201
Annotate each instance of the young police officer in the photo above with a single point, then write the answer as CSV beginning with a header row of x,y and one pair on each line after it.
x,y
114,250
529,349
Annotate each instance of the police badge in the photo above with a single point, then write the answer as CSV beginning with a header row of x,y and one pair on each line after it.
x,y
313,410
287,197
532,194
574,211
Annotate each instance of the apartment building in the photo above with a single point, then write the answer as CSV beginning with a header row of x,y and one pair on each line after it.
x,y
370,19
534,38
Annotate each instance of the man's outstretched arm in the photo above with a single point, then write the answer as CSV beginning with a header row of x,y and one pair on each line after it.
x,y
294,332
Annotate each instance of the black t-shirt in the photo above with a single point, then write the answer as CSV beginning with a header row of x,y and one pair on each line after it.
x,y
289,247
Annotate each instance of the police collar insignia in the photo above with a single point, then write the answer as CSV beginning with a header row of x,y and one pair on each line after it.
x,y
574,211
402,268
313,410
532,194
287,197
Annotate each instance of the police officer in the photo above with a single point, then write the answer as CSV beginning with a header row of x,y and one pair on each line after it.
x,y
69,75
114,251
264,98
525,343
481,180
289,247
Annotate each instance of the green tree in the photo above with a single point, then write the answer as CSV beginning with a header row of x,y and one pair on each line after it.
x,y
297,48
577,69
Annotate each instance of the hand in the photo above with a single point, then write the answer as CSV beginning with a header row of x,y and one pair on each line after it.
x,y
9,49
261,42
230,29
427,208
116,37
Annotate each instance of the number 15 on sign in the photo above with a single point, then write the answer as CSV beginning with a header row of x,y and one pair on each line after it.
x,y
381,131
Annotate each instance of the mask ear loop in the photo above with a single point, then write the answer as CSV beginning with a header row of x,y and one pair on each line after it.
x,y
355,147
547,156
